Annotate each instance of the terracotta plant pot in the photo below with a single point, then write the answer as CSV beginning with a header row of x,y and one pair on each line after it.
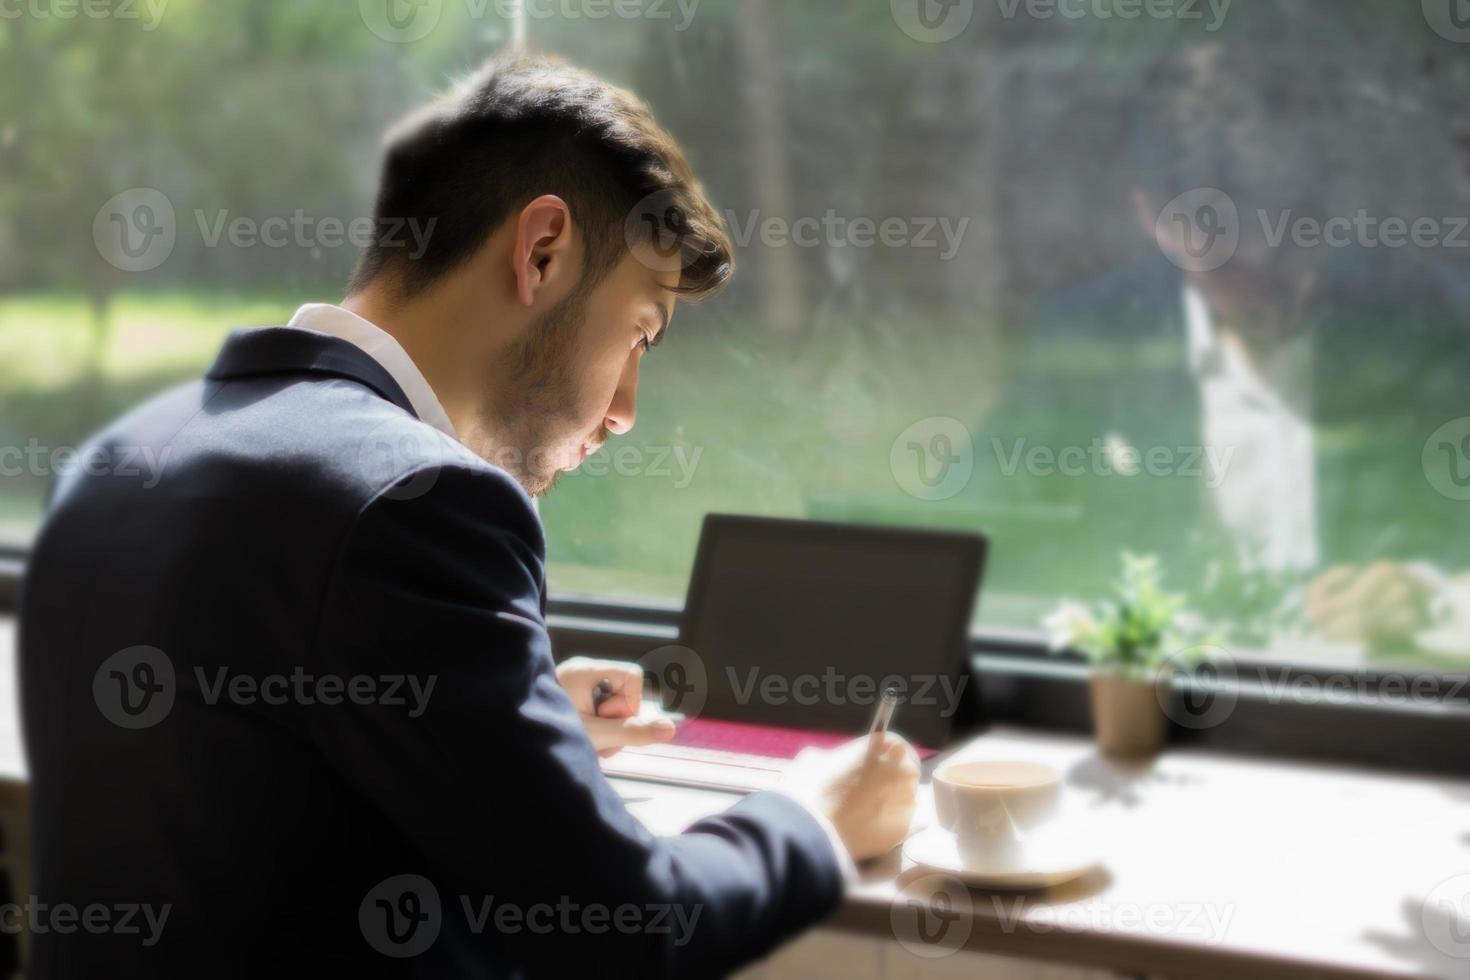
x,y
1126,716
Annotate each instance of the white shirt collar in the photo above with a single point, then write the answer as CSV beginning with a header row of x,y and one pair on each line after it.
x,y
378,344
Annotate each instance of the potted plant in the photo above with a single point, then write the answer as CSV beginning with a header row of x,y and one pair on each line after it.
x,y
1132,642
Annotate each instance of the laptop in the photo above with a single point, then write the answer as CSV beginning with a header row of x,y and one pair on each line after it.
x,y
792,631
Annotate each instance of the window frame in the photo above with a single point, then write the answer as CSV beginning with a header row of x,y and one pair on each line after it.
x,y
1018,682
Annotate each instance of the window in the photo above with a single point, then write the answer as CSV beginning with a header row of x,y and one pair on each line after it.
x,y
1189,281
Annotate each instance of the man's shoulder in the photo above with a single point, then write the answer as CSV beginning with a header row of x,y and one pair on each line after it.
x,y
330,444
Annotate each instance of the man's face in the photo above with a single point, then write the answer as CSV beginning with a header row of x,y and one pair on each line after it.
x,y
575,376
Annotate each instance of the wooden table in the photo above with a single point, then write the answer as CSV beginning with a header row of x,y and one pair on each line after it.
x,y
1216,867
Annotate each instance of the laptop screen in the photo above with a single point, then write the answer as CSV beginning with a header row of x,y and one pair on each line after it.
x,y
803,624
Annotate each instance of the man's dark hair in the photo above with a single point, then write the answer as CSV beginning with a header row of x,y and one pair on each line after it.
x,y
525,126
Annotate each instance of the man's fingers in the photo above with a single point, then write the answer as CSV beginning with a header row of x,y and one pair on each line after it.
x,y
627,681
581,675
615,733
617,706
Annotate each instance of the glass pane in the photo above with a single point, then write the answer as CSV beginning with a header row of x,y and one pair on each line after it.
x,y
1184,279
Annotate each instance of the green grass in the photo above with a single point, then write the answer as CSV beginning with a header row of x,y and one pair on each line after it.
x,y
789,426
48,341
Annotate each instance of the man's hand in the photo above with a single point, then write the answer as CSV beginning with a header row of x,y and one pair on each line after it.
x,y
867,788
617,721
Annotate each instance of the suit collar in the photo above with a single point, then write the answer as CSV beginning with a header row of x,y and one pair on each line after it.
x,y
290,350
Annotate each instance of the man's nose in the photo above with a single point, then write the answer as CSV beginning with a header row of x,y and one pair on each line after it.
x,y
624,408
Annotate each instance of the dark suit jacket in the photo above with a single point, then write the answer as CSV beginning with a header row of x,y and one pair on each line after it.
x,y
218,659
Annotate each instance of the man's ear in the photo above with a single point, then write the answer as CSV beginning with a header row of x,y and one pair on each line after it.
x,y
542,251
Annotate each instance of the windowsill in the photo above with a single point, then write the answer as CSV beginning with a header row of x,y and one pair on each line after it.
x,y
1282,710
1019,684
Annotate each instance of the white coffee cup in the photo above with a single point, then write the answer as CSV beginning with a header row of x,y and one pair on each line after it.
x,y
994,808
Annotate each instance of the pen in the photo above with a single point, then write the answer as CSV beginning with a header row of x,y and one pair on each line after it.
x,y
884,715
601,691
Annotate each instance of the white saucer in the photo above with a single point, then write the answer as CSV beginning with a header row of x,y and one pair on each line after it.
x,y
1064,851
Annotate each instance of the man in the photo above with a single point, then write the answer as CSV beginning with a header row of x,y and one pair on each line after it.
x,y
295,704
